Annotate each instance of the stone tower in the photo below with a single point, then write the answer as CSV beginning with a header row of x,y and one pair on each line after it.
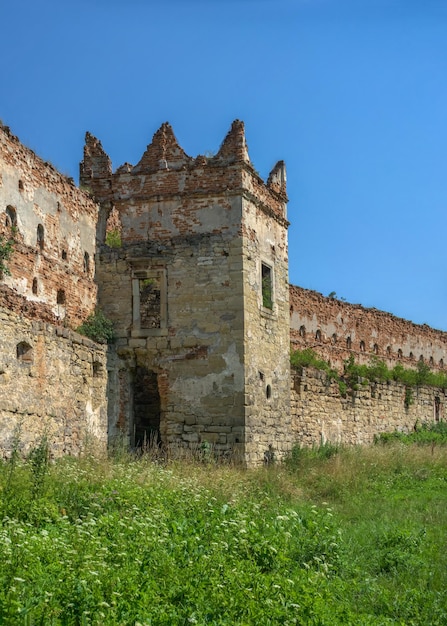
x,y
193,270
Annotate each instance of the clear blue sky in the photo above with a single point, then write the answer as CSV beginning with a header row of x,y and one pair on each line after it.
x,y
352,94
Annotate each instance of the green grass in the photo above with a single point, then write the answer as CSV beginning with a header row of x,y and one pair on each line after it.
x,y
334,536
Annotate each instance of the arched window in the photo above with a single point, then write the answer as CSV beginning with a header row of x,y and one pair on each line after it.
x,y
376,349
362,346
348,343
318,335
399,354
411,356
60,299
302,331
421,358
35,286
431,361
388,350
334,339
441,363
24,352
11,217
86,262
40,237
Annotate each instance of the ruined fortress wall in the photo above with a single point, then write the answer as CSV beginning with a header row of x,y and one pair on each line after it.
x,y
53,226
336,329
320,414
53,382
266,328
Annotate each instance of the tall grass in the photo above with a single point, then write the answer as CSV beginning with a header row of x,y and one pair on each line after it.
x,y
346,536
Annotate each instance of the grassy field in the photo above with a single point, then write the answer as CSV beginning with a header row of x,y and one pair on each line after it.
x,y
332,537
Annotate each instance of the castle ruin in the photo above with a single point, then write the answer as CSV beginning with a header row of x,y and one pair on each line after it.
x,y
188,257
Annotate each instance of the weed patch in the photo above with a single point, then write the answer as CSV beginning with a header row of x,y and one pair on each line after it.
x,y
128,541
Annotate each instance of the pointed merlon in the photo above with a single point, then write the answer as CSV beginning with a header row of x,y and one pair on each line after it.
x,y
234,146
163,152
96,163
277,180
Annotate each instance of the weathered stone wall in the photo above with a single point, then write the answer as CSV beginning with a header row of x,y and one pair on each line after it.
x,y
195,352
266,338
321,414
53,225
336,329
53,382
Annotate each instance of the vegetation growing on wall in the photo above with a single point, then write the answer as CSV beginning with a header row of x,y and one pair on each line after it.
x,y
6,250
97,327
376,371
113,239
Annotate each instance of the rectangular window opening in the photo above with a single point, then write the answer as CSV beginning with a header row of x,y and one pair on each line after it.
x,y
267,286
149,293
150,302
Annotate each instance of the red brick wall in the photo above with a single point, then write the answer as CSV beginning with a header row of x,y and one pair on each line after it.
x,y
326,324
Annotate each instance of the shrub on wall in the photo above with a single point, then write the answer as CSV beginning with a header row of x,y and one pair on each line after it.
x,y
6,249
375,371
97,327
113,239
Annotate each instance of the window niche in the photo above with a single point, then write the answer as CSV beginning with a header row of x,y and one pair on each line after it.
x,y
11,217
267,286
149,302
40,237
24,353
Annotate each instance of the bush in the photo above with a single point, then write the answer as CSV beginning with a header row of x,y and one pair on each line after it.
x,y
6,250
97,327
431,433
308,358
113,239
375,371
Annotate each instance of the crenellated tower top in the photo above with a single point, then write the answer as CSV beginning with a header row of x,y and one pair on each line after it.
x,y
166,173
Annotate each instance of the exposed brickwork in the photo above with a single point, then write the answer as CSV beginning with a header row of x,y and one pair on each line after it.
x,y
327,325
54,233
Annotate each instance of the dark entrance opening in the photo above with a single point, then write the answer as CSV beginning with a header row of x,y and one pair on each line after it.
x,y
437,408
146,408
